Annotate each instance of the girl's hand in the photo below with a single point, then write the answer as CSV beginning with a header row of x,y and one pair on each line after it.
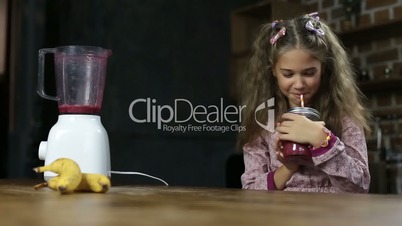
x,y
290,166
300,129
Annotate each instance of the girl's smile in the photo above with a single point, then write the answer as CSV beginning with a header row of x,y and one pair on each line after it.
x,y
298,73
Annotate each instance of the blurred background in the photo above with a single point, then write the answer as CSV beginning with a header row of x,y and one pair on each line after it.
x,y
193,50
163,50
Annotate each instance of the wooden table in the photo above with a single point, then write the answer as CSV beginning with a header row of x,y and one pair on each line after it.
x,y
20,204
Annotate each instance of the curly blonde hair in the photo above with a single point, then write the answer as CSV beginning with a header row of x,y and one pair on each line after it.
x,y
337,96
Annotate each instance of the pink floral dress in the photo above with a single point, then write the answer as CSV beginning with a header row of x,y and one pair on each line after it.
x,y
342,166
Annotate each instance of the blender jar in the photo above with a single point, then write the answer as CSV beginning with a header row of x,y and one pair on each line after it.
x,y
80,78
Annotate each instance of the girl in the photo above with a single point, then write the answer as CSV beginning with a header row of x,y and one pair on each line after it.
x,y
294,58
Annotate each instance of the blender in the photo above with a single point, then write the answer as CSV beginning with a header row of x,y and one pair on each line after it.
x,y
78,134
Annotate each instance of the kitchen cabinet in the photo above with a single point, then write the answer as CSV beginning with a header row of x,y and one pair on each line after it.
x,y
383,86
369,33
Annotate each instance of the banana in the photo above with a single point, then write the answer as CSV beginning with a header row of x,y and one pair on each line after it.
x,y
69,175
70,178
94,183
52,184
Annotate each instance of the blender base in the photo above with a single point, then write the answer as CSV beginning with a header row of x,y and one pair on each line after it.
x,y
81,138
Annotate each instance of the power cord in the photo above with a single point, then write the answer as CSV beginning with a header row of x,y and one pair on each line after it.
x,y
138,173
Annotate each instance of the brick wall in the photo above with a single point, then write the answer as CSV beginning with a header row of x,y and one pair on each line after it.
x,y
374,56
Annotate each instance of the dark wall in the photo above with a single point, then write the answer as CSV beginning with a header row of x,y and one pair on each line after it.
x,y
163,50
